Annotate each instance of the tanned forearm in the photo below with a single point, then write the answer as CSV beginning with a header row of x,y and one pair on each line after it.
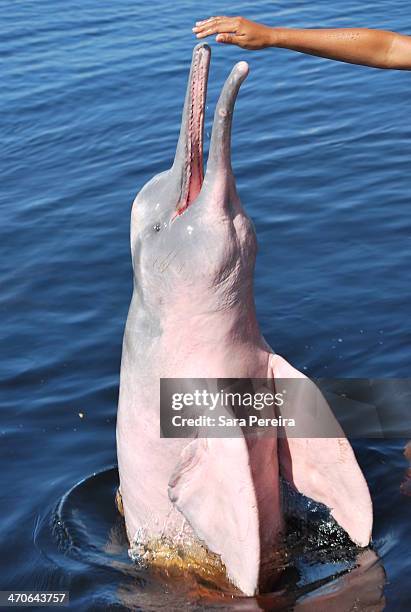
x,y
374,48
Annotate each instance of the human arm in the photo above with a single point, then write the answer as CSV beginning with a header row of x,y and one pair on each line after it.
x,y
376,48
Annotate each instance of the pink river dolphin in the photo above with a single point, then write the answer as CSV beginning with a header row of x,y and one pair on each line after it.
x,y
192,314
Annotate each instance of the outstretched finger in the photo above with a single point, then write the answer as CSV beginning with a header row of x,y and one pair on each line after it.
x,y
210,20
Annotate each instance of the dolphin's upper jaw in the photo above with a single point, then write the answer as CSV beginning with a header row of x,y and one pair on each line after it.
x,y
189,155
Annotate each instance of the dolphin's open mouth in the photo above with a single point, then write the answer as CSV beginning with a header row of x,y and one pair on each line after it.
x,y
188,163
192,128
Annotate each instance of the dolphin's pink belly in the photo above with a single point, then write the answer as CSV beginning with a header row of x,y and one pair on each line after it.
x,y
242,475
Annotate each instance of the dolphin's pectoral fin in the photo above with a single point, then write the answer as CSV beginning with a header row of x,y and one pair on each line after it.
x,y
212,487
324,469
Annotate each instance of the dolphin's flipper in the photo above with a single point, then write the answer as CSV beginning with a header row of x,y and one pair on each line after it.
x,y
324,469
212,486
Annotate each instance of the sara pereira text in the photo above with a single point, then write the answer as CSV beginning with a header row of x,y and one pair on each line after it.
x,y
225,421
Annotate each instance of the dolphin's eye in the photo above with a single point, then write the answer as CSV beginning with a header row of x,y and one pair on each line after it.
x,y
157,227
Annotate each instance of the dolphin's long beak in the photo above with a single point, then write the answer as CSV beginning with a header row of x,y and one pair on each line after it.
x,y
188,161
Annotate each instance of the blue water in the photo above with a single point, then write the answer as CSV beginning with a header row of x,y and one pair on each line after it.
x,y
90,104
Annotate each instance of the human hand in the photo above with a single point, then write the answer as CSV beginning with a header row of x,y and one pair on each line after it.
x,y
236,31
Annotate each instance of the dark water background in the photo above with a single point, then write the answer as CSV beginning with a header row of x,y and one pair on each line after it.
x,y
90,103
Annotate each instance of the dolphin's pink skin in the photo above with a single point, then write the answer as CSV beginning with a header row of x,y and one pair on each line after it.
x,y
192,314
